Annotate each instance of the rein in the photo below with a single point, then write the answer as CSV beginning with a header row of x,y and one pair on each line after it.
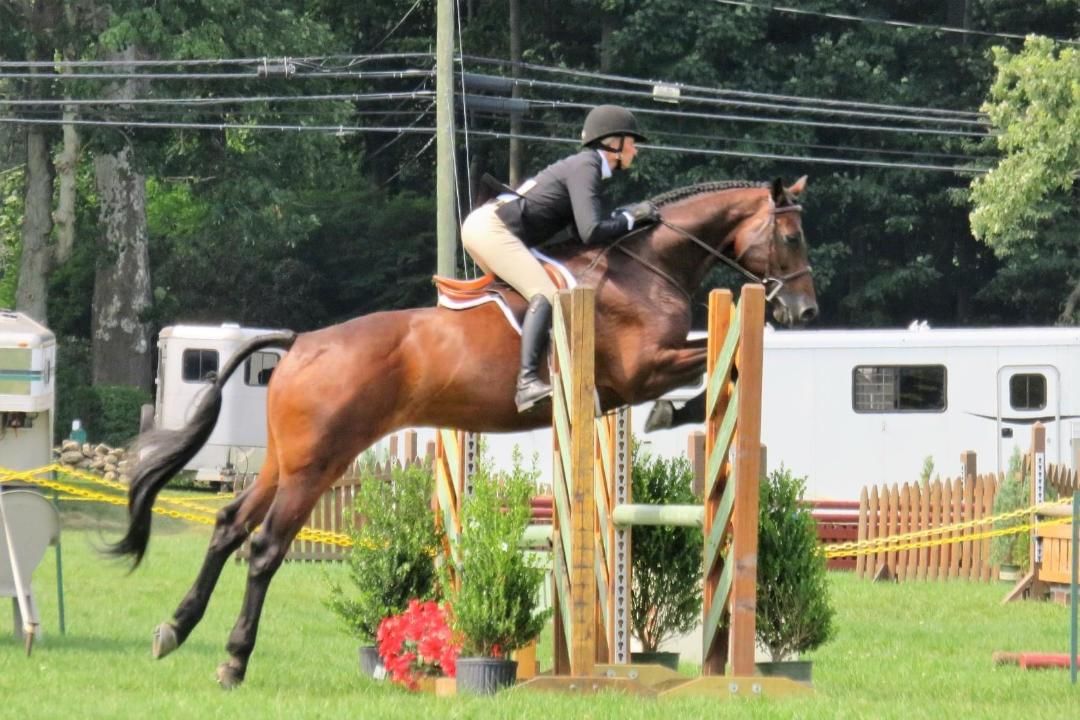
x,y
775,282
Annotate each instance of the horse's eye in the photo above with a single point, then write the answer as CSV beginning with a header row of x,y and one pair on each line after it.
x,y
792,239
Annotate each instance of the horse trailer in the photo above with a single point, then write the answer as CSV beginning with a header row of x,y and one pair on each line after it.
x,y
27,392
186,355
849,408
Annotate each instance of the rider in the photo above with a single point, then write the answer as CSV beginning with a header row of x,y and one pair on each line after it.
x,y
564,194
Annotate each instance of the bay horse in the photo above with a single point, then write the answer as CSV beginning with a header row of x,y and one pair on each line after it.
x,y
341,388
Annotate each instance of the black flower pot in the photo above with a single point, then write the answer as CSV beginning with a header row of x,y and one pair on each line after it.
x,y
798,670
370,663
667,659
485,675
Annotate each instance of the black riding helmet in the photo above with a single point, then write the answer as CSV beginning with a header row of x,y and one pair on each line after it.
x,y
607,120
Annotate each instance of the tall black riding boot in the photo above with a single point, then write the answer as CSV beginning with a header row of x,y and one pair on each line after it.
x,y
534,343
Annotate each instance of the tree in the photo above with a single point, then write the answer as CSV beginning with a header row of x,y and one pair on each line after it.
x,y
1027,205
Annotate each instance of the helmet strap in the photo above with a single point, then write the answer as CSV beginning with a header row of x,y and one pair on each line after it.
x,y
616,150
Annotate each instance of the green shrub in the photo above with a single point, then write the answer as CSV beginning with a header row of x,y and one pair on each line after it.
x,y
495,604
117,424
392,559
1014,493
794,614
666,561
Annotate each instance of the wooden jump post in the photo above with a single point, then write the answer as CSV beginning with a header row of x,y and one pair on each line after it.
x,y
593,514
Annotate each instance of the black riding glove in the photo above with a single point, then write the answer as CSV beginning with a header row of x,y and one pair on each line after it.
x,y
643,213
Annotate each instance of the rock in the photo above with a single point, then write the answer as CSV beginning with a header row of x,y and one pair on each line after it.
x,y
110,476
102,449
71,457
111,468
67,445
87,450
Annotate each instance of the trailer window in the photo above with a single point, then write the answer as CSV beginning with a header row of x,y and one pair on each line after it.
x,y
1027,391
898,388
197,364
258,367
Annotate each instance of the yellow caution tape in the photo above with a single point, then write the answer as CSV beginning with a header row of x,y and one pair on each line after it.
x,y
205,516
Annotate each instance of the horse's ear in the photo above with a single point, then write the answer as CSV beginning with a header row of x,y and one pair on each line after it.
x,y
798,186
777,190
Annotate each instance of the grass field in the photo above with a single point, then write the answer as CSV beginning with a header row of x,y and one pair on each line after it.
x,y
901,651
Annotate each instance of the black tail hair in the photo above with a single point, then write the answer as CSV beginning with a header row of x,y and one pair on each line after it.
x,y
163,453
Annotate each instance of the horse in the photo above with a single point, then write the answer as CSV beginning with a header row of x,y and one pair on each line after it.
x,y
339,389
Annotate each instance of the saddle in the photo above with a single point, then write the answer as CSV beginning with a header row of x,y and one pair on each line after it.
x,y
466,294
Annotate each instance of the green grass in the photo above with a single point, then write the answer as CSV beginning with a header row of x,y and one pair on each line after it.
x,y
901,651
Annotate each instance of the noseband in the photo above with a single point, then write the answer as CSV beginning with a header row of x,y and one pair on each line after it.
x,y
773,284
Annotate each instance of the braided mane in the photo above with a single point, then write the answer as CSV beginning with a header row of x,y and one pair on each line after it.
x,y
691,190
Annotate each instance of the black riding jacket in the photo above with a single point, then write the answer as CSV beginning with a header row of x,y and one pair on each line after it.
x,y
565,194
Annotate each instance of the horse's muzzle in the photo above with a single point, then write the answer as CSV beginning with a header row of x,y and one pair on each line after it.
x,y
793,312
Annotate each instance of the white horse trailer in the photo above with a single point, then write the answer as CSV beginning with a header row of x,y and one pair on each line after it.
x,y
27,396
848,408
186,354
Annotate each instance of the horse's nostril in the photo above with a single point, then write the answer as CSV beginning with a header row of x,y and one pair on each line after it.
x,y
808,314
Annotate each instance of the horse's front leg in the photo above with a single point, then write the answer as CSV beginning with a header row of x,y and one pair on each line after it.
x,y
674,369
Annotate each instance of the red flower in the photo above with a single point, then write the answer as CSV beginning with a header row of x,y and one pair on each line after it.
x,y
417,643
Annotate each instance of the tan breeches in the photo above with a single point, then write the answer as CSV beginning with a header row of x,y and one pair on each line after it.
x,y
500,252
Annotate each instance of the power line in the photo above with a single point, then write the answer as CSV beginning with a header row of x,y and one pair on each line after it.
x,y
881,21
235,100
336,129
761,156
286,72
724,91
760,141
195,62
349,129
557,104
643,94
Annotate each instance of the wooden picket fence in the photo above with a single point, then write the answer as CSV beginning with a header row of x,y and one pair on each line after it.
x,y
913,507
334,510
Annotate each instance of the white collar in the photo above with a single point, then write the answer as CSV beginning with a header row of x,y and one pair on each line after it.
x,y
605,169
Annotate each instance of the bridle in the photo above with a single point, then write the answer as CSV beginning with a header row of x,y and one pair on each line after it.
x,y
776,282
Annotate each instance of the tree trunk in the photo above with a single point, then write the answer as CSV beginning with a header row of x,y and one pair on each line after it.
x,y
67,160
35,261
120,337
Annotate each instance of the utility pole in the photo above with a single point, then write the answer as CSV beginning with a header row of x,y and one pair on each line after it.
x,y
446,230
515,92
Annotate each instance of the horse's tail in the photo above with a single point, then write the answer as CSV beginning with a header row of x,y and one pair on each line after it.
x,y
163,453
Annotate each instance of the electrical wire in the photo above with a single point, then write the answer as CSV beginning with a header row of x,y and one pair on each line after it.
x,y
399,23
648,95
757,141
828,102
285,73
234,100
881,21
763,156
557,104
195,62
338,129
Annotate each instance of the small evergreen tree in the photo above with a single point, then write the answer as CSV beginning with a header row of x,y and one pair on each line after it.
x,y
794,614
666,594
392,559
1014,493
494,607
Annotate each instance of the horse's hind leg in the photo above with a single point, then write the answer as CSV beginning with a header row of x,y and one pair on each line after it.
x,y
292,505
233,524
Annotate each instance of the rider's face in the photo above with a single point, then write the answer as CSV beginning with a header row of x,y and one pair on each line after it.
x,y
629,152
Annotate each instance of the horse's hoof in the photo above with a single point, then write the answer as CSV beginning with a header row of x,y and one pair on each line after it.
x,y
228,676
165,640
661,416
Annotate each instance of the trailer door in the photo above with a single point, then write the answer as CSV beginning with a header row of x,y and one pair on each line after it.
x,y
1028,394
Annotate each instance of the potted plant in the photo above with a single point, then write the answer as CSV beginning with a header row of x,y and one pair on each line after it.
x,y
1010,552
495,604
794,614
392,559
665,599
